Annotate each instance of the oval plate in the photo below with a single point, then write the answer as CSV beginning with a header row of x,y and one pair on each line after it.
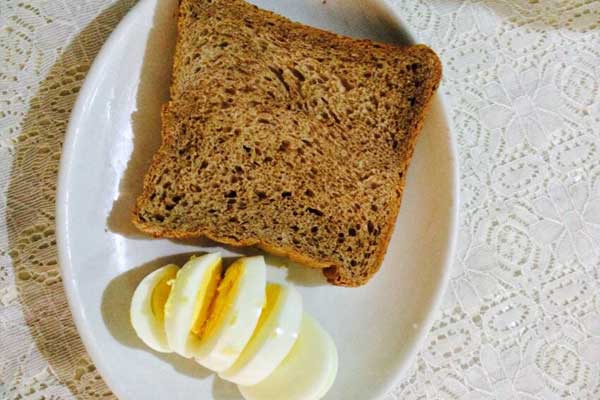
x,y
114,130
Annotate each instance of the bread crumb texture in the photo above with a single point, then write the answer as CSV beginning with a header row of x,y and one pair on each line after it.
x,y
286,137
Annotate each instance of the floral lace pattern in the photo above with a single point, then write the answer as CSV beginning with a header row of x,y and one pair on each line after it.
x,y
521,317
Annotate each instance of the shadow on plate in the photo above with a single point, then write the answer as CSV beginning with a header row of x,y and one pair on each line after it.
x,y
146,120
224,390
304,276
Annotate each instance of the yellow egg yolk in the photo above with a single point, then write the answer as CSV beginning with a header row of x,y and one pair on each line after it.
x,y
161,292
225,297
273,303
206,296
273,292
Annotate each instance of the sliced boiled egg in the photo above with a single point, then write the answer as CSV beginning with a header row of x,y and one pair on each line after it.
x,y
188,305
233,315
306,373
275,334
147,307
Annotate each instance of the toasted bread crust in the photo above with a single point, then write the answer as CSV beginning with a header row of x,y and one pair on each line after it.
x,y
156,218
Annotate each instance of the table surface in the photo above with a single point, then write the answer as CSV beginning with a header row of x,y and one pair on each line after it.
x,y
521,316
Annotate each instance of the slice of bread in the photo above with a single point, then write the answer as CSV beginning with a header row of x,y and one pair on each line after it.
x,y
286,137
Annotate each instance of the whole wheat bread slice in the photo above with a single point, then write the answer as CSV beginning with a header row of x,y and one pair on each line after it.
x,y
286,137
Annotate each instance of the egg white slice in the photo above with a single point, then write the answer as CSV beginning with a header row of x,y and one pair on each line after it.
x,y
188,305
147,307
306,373
234,314
275,334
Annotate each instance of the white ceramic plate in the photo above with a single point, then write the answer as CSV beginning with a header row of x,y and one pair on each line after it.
x,y
113,132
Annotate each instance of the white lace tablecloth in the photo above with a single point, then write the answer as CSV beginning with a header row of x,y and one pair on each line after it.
x,y
521,317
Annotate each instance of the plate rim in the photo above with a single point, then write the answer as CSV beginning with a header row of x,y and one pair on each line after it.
x,y
62,207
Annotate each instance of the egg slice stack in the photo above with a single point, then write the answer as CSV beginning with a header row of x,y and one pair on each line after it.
x,y
234,322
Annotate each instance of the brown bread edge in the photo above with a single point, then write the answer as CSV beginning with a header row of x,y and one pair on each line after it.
x,y
334,274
